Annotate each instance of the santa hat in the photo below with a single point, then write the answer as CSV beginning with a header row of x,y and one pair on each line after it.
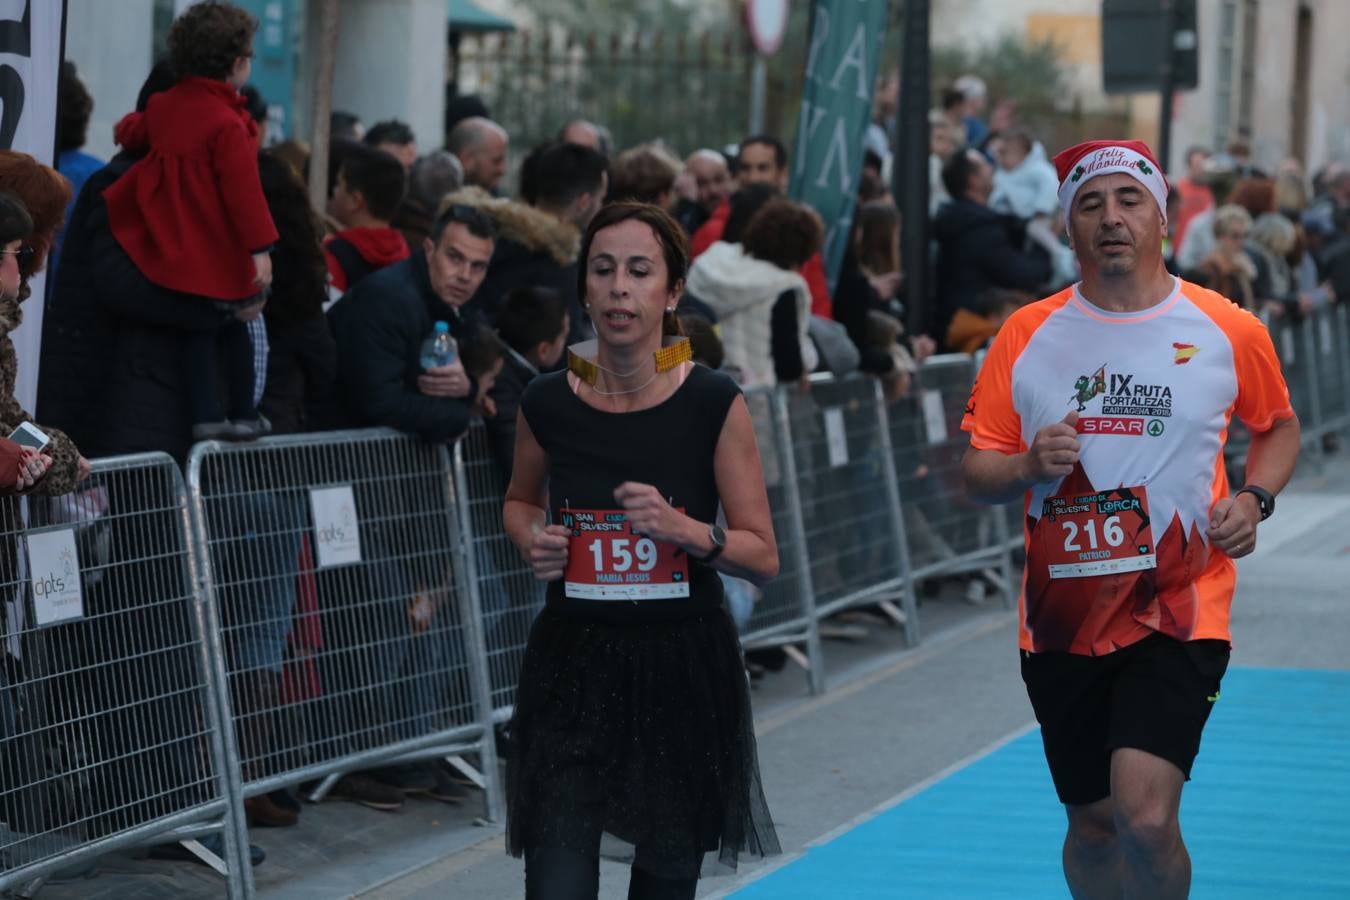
x,y
1083,162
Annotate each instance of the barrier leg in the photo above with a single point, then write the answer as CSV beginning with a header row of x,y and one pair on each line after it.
x,y
815,672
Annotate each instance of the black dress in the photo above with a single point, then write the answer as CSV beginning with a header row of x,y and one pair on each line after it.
x,y
632,736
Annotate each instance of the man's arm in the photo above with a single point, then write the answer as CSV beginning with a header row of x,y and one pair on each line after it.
x,y
1007,266
1270,464
373,360
995,477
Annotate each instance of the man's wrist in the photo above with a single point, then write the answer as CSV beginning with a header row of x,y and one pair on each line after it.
x,y
1250,503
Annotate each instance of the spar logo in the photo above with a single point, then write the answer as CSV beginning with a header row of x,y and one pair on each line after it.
x,y
1129,408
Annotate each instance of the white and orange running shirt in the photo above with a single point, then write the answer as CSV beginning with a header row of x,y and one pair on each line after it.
x,y
1117,549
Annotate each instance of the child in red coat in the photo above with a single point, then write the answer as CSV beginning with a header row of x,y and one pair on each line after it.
x,y
191,213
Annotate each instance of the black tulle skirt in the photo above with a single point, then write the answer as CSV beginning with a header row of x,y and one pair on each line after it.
x,y
635,742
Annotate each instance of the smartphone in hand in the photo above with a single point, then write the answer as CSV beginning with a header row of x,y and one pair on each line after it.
x,y
29,435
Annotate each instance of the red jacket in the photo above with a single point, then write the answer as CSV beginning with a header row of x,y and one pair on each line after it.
x,y
191,213
710,232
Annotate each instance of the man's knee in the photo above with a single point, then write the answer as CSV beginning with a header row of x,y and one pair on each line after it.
x,y
1148,826
1092,830
1146,794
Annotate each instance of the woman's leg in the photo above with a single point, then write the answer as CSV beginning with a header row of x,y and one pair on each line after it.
x,y
643,885
556,874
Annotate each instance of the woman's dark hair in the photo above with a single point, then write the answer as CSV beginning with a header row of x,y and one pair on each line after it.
x,y
703,340
784,233
674,247
160,79
15,223
1256,194
208,37
744,204
299,273
874,231
479,350
73,108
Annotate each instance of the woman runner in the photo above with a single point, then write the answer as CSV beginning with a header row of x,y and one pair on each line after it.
x,y
632,736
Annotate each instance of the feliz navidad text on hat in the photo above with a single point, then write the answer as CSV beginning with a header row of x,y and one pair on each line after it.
x,y
1112,158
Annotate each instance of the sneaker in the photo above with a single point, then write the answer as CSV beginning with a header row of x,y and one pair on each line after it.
x,y
250,429
411,778
362,789
976,591
215,431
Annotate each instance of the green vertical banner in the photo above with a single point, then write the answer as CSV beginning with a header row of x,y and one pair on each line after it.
x,y
847,37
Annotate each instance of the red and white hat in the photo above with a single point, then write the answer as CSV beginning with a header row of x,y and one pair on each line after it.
x,y
1083,162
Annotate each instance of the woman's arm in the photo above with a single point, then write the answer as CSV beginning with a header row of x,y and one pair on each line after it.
x,y
524,512
751,552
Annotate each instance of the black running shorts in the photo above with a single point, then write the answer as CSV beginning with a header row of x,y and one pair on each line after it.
x,y
1154,695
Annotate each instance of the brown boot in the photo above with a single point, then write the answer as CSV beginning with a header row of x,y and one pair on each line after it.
x,y
264,812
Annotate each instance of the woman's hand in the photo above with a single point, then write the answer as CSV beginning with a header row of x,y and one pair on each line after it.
x,y
650,514
548,552
31,470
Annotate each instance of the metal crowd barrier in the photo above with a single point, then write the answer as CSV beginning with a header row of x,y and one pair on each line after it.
x,y
349,635
507,593
1313,353
949,534
783,613
108,720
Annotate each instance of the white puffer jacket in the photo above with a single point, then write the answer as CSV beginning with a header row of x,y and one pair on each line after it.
x,y
742,291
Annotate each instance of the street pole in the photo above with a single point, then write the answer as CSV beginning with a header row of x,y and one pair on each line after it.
x,y
759,86
910,175
320,126
1169,80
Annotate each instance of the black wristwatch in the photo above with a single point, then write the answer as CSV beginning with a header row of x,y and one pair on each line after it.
x,y
1264,499
719,542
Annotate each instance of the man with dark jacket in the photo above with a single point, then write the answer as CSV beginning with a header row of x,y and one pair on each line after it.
x,y
538,246
977,248
381,323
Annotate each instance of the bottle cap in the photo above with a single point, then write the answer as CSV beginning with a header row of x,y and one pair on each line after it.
x,y
442,328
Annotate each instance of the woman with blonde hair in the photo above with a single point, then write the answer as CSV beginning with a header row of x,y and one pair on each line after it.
x,y
1228,269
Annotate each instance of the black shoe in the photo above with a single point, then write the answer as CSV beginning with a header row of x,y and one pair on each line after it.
x,y
213,842
771,658
447,789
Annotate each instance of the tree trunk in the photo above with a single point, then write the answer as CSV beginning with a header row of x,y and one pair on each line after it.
x,y
324,65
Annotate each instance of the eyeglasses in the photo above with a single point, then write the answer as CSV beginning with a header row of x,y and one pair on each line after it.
x,y
24,255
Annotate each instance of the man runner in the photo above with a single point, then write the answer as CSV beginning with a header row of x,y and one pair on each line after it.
x,y
1131,531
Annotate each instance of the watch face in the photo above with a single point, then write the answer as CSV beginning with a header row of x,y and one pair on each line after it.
x,y
719,537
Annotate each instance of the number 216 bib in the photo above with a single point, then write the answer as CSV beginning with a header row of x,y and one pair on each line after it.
x,y
607,560
1106,533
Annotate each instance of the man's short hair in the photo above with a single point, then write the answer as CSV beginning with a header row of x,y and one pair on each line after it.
x,y
529,316
564,172
780,157
433,176
74,106
952,98
956,173
480,222
643,174
378,176
468,134
391,131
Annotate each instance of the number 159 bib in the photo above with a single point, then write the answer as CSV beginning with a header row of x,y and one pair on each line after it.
x,y
607,560
1106,533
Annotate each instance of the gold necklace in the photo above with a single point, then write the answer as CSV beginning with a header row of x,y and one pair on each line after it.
x,y
674,351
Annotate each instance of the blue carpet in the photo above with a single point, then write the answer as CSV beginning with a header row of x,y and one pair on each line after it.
x,y
1267,814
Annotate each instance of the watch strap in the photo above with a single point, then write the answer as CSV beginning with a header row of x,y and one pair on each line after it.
x,y
718,546
1264,499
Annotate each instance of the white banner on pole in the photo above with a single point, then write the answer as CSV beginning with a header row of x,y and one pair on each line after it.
x,y
30,61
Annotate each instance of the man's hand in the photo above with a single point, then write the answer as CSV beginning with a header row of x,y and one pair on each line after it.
x,y
1232,525
1054,451
486,407
444,381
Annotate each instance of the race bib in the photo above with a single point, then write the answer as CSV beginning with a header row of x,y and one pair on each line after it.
x,y
607,560
1105,533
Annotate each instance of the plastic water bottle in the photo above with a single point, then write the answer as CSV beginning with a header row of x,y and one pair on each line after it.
x,y
439,348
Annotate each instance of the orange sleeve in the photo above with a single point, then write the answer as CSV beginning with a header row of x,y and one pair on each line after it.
x,y
1263,396
991,417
